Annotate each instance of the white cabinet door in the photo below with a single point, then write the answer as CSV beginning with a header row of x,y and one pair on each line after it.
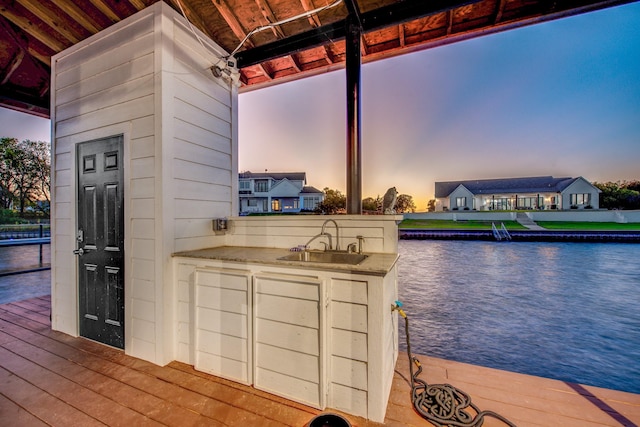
x,y
222,323
288,337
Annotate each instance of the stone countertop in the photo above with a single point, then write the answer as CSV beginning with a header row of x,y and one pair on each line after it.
x,y
376,264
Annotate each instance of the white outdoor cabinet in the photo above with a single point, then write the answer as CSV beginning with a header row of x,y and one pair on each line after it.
x,y
320,337
146,80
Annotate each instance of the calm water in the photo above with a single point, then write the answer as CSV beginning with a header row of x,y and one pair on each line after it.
x,y
569,311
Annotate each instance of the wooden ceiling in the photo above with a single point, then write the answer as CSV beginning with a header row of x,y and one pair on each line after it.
x,y
31,31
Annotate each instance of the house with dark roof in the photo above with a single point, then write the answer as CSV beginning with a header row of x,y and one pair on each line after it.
x,y
532,193
279,192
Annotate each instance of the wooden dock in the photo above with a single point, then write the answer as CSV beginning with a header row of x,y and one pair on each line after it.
x,y
49,378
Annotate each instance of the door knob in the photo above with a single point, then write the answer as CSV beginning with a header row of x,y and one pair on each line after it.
x,y
79,251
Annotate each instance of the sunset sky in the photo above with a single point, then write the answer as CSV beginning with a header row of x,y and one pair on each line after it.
x,y
560,98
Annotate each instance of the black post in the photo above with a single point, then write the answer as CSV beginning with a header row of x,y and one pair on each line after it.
x,y
354,162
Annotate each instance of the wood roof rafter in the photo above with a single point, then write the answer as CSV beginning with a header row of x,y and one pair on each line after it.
x,y
106,10
314,21
78,15
270,18
499,11
28,26
51,18
191,15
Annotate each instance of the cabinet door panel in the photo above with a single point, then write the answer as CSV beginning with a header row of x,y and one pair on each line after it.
x,y
222,324
288,337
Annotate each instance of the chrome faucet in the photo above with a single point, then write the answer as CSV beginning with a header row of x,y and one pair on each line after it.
x,y
317,236
356,247
337,234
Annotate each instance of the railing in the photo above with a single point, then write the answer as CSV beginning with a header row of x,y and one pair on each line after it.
x,y
23,235
24,231
500,233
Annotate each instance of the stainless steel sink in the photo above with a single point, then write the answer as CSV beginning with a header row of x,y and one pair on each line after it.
x,y
328,257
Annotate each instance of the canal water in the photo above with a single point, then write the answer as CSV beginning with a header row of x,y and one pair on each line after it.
x,y
569,311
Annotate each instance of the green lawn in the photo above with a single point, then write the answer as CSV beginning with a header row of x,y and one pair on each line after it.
x,y
595,226
442,224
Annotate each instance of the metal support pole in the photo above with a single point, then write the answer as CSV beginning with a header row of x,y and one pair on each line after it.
x,y
354,162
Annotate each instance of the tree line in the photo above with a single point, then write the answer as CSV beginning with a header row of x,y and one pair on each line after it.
x,y
25,175
619,194
335,202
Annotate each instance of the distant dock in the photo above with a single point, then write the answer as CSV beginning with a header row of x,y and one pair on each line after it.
x,y
591,236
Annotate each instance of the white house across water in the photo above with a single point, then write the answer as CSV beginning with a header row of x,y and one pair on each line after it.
x,y
278,192
144,157
533,193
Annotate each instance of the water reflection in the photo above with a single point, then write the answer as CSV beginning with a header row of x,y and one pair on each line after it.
x,y
559,310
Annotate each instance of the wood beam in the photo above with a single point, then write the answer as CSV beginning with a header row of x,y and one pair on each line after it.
x,y
314,21
401,36
449,21
307,5
296,64
499,11
12,67
138,4
78,15
193,16
51,18
232,20
270,18
27,26
382,17
106,10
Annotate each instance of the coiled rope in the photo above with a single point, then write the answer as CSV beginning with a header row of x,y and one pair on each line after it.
x,y
442,404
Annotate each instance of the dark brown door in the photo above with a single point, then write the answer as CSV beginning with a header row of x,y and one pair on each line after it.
x,y
100,240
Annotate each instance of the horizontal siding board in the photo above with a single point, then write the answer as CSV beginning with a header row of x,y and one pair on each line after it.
x,y
200,118
143,147
238,281
349,344
350,317
142,208
349,400
221,366
142,228
190,171
227,346
201,155
222,299
143,248
297,312
132,69
105,50
196,72
196,209
289,287
186,131
143,168
350,373
120,113
291,337
198,98
193,190
290,387
116,95
298,365
222,322
142,269
143,188
349,291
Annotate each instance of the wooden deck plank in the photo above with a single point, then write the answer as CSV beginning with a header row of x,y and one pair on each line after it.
x,y
47,377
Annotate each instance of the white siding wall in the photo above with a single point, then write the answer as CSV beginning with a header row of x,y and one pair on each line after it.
x,y
380,231
580,186
461,191
147,78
